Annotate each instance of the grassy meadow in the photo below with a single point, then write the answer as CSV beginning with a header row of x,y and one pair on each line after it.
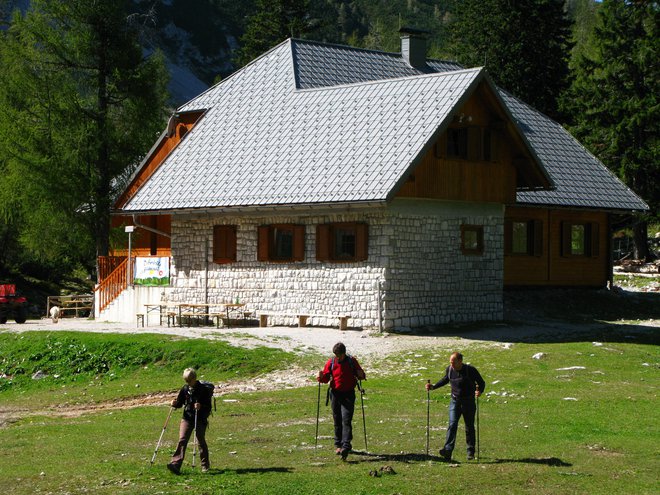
x,y
582,419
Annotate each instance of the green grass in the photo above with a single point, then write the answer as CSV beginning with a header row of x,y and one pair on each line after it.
x,y
533,440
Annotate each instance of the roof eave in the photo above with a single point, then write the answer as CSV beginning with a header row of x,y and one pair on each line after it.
x,y
259,209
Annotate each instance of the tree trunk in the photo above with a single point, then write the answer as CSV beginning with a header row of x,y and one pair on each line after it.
x,y
640,239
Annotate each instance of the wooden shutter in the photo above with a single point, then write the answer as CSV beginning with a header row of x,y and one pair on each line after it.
x,y
594,240
441,146
323,242
298,242
224,243
566,239
536,227
361,242
508,236
263,235
474,143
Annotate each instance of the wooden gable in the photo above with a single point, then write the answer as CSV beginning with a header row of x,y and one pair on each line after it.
x,y
479,157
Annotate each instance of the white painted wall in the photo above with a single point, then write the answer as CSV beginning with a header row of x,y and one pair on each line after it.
x,y
131,302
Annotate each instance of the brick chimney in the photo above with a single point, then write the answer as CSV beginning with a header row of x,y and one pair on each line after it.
x,y
413,46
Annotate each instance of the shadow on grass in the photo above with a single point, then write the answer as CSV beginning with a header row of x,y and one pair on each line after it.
x,y
404,457
548,461
214,471
409,458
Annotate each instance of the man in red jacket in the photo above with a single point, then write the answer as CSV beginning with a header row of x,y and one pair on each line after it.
x,y
343,372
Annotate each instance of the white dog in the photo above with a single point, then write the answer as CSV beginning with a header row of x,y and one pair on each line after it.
x,y
55,313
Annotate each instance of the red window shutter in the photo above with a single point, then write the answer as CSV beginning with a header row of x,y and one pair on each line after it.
x,y
323,242
263,234
361,241
537,233
298,242
224,243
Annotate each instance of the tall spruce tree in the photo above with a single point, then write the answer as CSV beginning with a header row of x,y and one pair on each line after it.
x,y
614,102
79,103
524,45
273,22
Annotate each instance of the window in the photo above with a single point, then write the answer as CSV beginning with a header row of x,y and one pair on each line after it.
x,y
342,242
224,244
457,143
472,143
580,239
282,242
472,239
523,237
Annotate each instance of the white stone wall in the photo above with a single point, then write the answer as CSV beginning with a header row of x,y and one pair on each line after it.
x,y
415,265
429,281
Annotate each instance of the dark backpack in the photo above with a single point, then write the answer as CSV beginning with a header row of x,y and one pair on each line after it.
x,y
210,386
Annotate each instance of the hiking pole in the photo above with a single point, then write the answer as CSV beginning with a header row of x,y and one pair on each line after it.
x,y
428,416
194,440
364,421
318,407
153,458
477,423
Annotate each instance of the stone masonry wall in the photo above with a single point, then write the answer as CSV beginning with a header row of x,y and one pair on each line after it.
x,y
415,266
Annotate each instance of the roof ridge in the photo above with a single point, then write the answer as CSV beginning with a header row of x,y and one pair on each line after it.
x,y
356,48
391,80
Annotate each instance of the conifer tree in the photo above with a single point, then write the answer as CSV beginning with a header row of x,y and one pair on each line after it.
x,y
79,103
273,22
524,45
614,102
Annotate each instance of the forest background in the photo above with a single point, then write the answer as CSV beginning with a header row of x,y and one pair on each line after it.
x,y
86,87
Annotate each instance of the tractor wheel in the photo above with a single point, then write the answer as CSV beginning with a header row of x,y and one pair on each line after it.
x,y
20,315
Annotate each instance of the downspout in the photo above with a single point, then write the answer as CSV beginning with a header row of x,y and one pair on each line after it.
x,y
610,254
380,309
206,271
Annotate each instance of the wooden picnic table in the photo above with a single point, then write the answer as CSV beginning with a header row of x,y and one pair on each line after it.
x,y
202,310
192,311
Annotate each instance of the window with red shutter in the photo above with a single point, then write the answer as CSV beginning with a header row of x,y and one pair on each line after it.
x,y
281,242
224,244
342,242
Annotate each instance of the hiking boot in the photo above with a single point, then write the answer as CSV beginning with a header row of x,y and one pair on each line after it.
x,y
446,454
174,468
470,456
344,454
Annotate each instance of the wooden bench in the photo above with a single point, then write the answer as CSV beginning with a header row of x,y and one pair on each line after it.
x,y
302,319
191,315
218,317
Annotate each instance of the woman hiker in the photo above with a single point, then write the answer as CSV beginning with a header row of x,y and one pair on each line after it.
x,y
196,399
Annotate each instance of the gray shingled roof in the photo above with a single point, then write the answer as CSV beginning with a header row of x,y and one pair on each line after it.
x,y
309,123
581,180
320,64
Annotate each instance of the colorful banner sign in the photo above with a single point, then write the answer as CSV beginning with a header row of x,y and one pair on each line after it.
x,y
152,271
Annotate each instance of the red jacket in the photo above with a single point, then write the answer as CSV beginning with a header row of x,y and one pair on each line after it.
x,y
343,374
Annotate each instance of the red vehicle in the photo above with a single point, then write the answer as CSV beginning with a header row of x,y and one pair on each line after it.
x,y
11,304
